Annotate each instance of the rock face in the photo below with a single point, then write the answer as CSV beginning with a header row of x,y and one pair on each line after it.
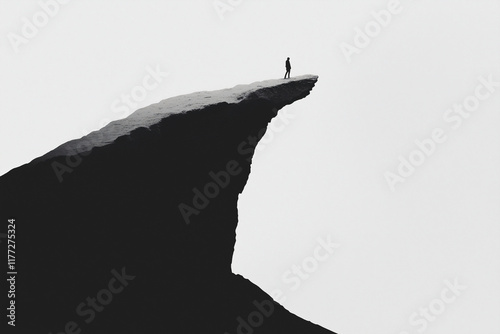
x,y
131,229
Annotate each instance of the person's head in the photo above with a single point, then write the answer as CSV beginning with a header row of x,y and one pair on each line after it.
x,y
288,58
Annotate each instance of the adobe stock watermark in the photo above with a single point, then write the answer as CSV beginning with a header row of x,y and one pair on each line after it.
x,y
364,36
255,319
297,274
276,126
220,180
454,118
421,320
123,106
87,309
129,101
31,27
221,7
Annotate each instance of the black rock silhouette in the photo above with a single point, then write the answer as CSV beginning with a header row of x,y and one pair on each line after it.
x,y
131,229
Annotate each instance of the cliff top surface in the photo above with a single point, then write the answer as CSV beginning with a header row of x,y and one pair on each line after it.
x,y
279,92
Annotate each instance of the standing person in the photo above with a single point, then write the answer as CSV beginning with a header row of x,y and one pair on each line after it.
x,y
288,68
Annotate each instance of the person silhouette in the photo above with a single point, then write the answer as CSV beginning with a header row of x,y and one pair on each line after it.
x,y
288,68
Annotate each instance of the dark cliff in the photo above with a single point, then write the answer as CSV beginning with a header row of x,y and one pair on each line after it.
x,y
131,229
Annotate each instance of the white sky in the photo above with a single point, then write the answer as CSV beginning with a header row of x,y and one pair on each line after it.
x,y
323,173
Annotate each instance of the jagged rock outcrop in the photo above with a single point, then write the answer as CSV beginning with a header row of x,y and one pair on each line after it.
x,y
131,229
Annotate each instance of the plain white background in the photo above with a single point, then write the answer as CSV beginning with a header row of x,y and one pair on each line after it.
x,y
322,174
